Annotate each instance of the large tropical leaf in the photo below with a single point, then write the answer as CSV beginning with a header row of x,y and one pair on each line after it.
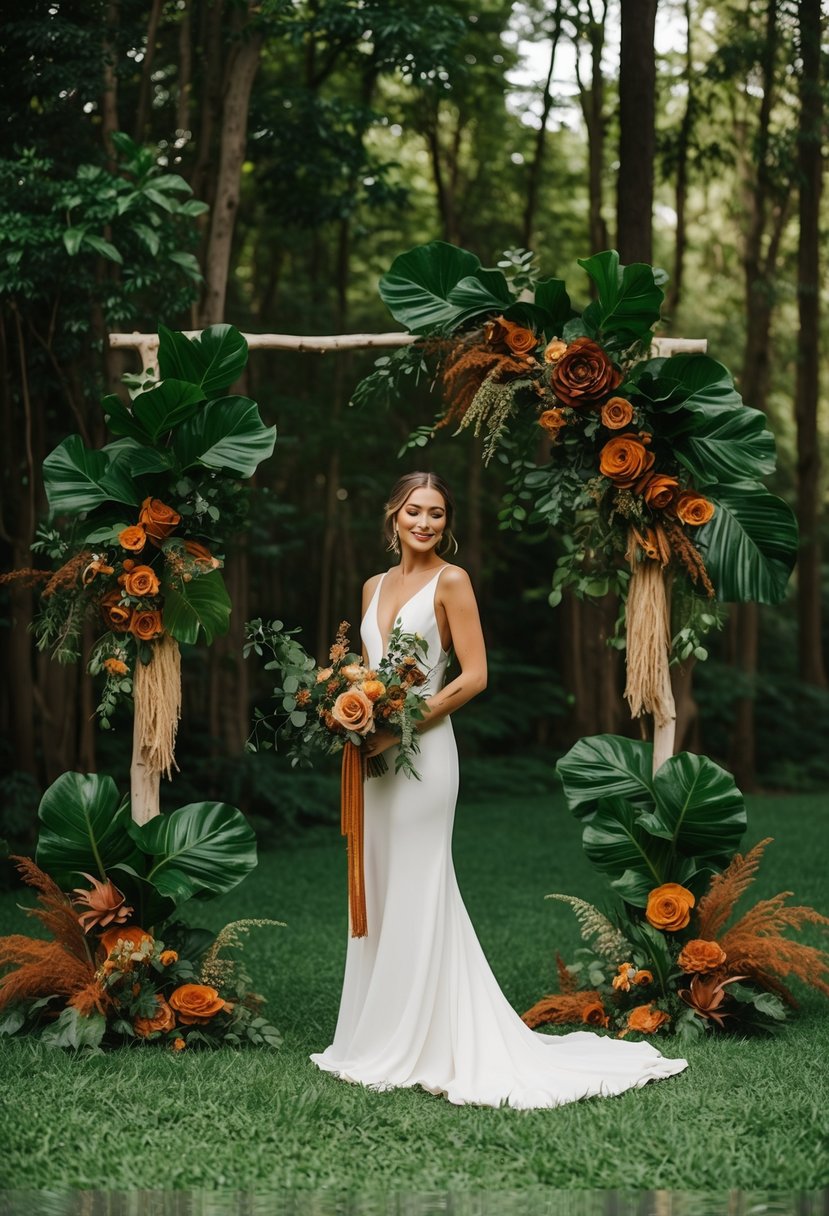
x,y
603,766
750,545
698,808
213,361
615,842
227,433
202,604
628,299
205,848
439,284
162,407
120,420
78,479
138,458
84,828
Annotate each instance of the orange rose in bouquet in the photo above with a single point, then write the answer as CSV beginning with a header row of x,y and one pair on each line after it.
x,y
584,375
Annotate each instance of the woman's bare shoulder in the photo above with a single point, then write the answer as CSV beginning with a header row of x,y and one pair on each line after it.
x,y
371,582
454,578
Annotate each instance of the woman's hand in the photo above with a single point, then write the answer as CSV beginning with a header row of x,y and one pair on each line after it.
x,y
379,741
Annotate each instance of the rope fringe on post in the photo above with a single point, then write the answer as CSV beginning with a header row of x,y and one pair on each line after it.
x,y
157,697
351,826
648,687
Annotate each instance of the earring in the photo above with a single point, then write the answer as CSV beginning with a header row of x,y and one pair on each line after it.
x,y
395,544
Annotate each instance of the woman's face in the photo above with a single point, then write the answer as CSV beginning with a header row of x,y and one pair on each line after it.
x,y
421,520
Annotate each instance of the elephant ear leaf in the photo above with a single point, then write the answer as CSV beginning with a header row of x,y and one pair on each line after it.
x,y
202,849
83,828
698,808
605,766
750,544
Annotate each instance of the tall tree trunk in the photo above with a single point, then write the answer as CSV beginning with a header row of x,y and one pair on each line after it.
x,y
242,66
592,107
809,642
534,175
109,90
185,67
637,131
146,85
210,98
681,192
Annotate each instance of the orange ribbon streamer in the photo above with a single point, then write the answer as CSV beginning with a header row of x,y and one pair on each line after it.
x,y
351,826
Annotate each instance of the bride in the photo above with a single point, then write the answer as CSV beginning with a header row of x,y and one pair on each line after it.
x,y
420,1004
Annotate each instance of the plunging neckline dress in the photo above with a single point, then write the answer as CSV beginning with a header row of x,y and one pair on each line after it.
x,y
420,1004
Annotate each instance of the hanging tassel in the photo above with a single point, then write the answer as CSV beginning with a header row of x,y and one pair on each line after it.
x,y
648,687
157,697
351,826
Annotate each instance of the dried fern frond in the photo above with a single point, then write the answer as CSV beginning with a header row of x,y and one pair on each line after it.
x,y
466,368
220,971
56,912
725,889
757,945
41,968
566,979
596,929
561,1007
688,554
92,998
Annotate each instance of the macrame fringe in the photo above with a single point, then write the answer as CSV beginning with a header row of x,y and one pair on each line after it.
x,y
157,697
648,687
351,825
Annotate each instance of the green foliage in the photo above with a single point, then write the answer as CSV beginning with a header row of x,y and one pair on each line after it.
x,y
203,849
750,545
628,299
83,828
200,608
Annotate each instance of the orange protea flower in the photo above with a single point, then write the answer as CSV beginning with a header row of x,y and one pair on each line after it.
x,y
617,412
552,421
158,519
707,994
146,624
584,375
196,1003
96,566
624,459
701,955
167,957
116,615
554,350
659,491
142,581
594,1014
669,907
693,509
130,935
646,1019
163,1019
133,539
201,554
105,904
115,667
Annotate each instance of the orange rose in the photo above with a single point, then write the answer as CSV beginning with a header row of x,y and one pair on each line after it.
x,y
168,956
693,509
141,582
626,973
115,614
374,689
624,460
584,375
660,491
646,1019
201,554
164,1019
594,1014
669,907
353,710
700,955
134,538
146,625
521,341
552,421
554,350
643,977
195,1003
616,413
115,667
158,519
130,934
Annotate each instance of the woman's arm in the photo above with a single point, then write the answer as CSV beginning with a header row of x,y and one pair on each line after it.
x,y
456,595
368,591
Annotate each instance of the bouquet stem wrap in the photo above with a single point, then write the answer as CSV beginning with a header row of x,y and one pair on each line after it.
x,y
351,817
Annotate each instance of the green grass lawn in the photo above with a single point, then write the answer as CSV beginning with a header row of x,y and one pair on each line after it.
x,y
747,1114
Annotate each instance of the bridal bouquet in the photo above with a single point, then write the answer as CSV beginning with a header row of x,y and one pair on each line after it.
x,y
322,707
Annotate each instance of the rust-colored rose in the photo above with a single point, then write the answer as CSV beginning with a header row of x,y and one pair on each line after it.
x,y
646,1019
115,667
374,689
693,509
134,539
201,554
643,977
701,955
616,413
195,1003
521,341
141,582
167,957
552,421
594,1014
116,615
146,625
554,350
132,934
624,460
660,491
584,375
158,519
669,907
164,1019
396,696
353,710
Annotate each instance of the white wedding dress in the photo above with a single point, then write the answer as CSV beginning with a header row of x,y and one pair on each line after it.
x,y
420,1005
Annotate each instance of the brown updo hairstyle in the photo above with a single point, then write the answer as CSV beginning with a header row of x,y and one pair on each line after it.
x,y
401,490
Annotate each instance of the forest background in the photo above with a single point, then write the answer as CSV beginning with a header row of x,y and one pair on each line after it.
x,y
319,139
